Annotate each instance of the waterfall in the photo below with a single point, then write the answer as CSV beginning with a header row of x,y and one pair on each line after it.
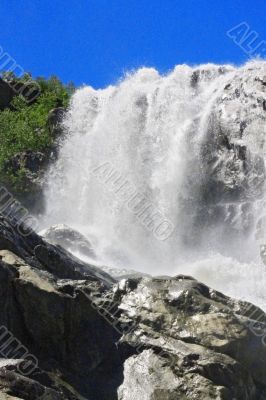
x,y
164,171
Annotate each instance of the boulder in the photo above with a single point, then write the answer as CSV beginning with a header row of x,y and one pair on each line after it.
x,y
68,330
70,239
40,386
45,297
186,340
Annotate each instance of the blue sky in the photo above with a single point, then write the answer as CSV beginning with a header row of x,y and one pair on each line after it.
x,y
96,41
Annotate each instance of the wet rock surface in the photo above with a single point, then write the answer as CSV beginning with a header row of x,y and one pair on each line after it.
x,y
201,339
140,338
70,239
233,150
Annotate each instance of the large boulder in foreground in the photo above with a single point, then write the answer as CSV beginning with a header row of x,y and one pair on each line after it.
x,y
46,306
190,342
69,331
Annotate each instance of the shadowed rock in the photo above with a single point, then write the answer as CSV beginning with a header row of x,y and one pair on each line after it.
x,y
142,338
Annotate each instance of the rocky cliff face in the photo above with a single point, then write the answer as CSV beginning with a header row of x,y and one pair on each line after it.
x,y
233,149
6,94
68,330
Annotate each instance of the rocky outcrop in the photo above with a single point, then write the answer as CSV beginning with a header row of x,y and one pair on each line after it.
x,y
6,94
11,87
234,157
76,243
191,342
233,149
33,164
13,384
29,160
55,120
70,239
45,304
90,337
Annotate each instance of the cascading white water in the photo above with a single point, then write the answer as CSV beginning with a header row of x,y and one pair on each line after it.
x,y
161,171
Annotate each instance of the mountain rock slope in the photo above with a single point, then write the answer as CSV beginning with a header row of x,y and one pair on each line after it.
x,y
86,336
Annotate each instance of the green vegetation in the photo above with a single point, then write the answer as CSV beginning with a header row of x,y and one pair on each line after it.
x,y
25,126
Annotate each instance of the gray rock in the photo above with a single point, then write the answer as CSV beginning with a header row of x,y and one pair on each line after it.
x,y
69,238
233,170
46,302
146,338
186,340
46,257
12,383
226,379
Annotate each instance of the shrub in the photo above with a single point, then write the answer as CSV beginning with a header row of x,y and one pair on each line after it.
x,y
25,126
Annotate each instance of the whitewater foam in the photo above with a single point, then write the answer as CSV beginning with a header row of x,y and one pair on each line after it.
x,y
153,131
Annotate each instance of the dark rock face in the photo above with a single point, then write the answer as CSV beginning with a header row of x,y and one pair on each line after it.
x,y
30,387
142,338
30,160
55,119
44,256
45,303
11,88
6,94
